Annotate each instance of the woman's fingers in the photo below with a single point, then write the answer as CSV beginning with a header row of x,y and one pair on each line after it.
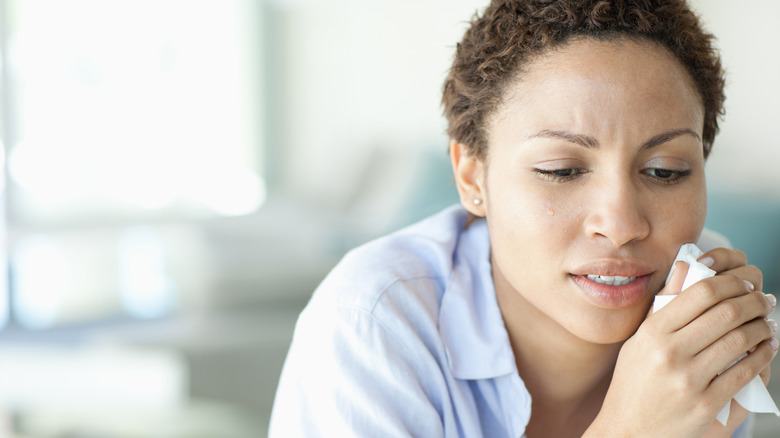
x,y
676,280
742,339
766,373
674,283
728,320
684,348
749,273
739,375
723,259
701,296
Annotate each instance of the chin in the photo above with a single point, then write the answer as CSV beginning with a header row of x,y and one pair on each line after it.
x,y
608,329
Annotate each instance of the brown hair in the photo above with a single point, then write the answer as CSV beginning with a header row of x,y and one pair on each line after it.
x,y
510,32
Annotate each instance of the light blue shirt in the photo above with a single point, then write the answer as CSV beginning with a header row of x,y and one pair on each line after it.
x,y
404,338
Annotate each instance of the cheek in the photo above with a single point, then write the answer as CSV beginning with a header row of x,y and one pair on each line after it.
x,y
534,213
531,228
524,209
561,209
683,218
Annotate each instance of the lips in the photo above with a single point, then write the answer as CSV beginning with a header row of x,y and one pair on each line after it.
x,y
615,296
615,267
614,283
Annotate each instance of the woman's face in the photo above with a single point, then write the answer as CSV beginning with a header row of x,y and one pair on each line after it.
x,y
593,180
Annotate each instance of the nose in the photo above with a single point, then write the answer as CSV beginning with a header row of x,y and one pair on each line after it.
x,y
616,212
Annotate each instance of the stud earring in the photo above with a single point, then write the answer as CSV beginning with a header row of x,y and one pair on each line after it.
x,y
477,201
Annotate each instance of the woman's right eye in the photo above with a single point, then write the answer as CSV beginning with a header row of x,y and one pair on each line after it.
x,y
560,175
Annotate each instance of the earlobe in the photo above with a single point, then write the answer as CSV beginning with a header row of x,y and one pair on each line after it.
x,y
467,171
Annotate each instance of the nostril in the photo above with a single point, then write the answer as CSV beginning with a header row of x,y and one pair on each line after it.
x,y
620,230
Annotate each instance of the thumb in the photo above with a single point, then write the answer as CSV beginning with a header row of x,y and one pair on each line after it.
x,y
676,279
674,285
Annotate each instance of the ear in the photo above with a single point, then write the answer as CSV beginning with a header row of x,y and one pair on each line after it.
x,y
468,172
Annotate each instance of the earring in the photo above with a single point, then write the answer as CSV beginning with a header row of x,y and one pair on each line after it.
x,y
477,201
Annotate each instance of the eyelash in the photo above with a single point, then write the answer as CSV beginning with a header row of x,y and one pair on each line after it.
x,y
675,176
560,175
568,174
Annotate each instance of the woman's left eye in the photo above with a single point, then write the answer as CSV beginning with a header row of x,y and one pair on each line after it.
x,y
666,176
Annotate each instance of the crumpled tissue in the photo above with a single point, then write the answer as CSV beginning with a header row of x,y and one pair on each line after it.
x,y
754,396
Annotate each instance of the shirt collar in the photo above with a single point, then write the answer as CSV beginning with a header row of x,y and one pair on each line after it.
x,y
470,322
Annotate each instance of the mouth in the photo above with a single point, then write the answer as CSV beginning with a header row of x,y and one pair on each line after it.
x,y
613,283
610,280
613,291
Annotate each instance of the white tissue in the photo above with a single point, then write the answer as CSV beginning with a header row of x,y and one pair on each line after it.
x,y
754,397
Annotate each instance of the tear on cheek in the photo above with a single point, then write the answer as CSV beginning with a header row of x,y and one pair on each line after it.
x,y
568,212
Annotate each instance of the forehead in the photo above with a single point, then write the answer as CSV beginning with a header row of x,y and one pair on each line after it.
x,y
589,83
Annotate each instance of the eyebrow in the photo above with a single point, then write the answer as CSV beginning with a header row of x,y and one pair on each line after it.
x,y
581,140
592,143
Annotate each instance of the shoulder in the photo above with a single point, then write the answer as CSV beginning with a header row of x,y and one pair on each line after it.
x,y
416,260
368,342
710,239
385,297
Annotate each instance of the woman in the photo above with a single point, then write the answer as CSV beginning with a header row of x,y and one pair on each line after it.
x,y
579,131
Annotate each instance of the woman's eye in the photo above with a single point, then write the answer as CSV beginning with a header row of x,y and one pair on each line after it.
x,y
560,175
666,176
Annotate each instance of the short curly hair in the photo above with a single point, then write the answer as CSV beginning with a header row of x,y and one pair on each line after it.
x,y
511,32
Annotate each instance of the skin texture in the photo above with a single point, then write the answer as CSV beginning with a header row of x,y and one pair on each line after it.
x,y
595,166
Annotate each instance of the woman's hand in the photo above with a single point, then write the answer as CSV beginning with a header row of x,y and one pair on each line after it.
x,y
738,414
666,380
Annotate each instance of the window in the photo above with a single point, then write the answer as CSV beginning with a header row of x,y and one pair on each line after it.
x,y
119,113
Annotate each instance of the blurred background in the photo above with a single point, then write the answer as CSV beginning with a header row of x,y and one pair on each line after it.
x,y
178,176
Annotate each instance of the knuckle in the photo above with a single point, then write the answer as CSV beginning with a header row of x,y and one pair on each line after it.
x,y
703,408
684,382
762,303
755,272
738,340
744,374
664,358
738,284
729,312
765,355
766,329
706,292
740,255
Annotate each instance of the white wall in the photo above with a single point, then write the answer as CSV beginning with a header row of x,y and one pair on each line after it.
x,y
361,76
747,151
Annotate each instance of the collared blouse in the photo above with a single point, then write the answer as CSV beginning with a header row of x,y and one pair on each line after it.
x,y
404,338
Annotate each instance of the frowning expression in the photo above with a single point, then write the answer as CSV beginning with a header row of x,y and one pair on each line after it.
x,y
594,177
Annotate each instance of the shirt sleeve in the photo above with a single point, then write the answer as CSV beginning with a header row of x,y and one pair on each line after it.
x,y
348,375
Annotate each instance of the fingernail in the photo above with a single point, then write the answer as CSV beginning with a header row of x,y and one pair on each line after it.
x,y
749,286
773,325
772,300
707,261
774,343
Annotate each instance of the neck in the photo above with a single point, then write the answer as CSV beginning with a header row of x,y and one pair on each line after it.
x,y
567,377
